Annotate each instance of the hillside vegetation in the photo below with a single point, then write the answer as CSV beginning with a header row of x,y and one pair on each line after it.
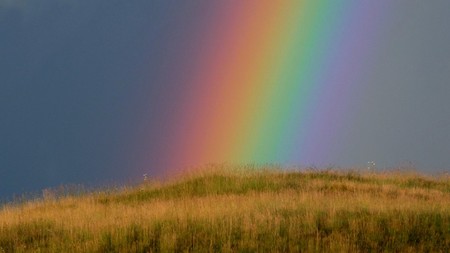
x,y
242,210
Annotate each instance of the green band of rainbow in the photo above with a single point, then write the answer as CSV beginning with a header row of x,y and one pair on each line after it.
x,y
273,80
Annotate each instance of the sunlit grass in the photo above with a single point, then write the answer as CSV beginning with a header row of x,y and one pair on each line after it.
x,y
242,210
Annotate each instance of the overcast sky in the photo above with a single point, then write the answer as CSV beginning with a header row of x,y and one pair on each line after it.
x,y
74,79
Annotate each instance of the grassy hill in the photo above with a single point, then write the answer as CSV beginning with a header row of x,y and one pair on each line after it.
x,y
242,210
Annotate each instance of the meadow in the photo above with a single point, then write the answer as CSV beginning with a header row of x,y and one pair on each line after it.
x,y
245,209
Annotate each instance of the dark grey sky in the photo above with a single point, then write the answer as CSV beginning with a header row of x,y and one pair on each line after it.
x,y
406,117
74,82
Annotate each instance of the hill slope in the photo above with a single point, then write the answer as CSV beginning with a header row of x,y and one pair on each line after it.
x,y
242,211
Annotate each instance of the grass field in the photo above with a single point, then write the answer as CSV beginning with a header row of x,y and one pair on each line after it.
x,y
242,210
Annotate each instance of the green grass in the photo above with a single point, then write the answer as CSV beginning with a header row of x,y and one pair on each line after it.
x,y
230,210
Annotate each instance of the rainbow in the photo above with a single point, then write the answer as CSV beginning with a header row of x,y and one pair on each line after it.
x,y
273,81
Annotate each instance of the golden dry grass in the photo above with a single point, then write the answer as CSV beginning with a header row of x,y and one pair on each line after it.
x,y
229,210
